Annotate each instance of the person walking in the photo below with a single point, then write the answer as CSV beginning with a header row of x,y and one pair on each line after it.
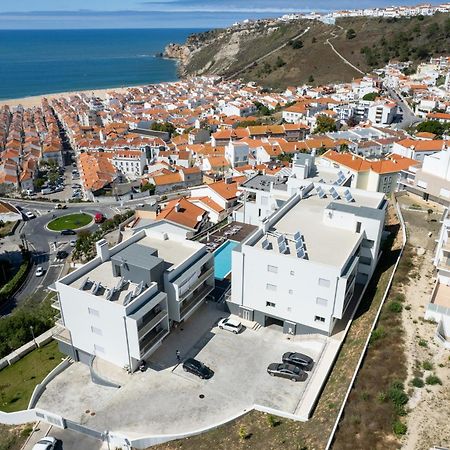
x,y
178,356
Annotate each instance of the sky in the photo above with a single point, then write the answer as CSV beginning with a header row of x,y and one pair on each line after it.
x,y
60,14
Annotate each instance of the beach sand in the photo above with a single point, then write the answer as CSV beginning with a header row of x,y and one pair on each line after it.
x,y
30,102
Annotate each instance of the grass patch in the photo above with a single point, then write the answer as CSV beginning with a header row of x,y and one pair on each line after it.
x,y
427,365
417,382
70,222
433,380
6,228
13,437
18,381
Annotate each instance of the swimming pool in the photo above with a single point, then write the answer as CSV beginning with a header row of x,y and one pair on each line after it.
x,y
222,259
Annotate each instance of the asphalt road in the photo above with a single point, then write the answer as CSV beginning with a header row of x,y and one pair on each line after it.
x,y
408,117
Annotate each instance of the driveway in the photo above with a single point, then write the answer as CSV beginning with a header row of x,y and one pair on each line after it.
x,y
166,400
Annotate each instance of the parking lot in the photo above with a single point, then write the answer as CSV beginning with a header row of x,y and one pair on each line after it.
x,y
166,400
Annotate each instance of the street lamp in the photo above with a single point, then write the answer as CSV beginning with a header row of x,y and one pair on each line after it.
x,y
32,334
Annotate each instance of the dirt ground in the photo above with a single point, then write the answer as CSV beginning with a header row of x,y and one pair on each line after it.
x,y
429,406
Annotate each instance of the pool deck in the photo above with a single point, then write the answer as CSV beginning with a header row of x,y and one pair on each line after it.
x,y
219,235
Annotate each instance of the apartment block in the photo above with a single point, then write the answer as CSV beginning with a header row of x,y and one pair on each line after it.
x,y
301,268
121,305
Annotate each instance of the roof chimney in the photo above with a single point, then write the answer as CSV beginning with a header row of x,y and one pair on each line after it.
x,y
177,207
102,249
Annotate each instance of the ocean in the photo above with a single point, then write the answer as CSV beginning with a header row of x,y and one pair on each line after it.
x,y
39,62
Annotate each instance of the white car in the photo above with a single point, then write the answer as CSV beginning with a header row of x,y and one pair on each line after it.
x,y
39,271
29,215
46,443
73,243
230,325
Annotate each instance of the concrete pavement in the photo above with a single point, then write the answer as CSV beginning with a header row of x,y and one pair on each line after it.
x,y
166,400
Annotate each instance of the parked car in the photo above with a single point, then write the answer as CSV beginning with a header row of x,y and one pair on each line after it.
x,y
73,243
289,371
299,359
29,215
230,325
46,191
99,218
47,443
28,192
197,368
61,254
76,185
60,206
39,271
68,233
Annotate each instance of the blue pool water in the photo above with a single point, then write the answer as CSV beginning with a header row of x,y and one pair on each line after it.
x,y
222,260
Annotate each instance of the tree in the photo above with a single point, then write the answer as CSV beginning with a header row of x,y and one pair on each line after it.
x,y
432,126
262,109
148,187
280,62
166,127
297,44
351,33
311,79
325,124
371,96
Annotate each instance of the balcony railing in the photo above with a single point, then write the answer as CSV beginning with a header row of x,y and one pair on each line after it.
x,y
152,324
56,305
189,305
203,276
153,341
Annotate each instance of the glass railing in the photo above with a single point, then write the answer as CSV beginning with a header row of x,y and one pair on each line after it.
x,y
152,341
203,276
145,328
190,304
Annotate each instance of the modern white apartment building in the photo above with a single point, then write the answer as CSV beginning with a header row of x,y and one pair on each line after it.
x,y
302,266
130,163
122,304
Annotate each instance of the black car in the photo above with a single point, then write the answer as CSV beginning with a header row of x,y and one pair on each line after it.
x,y
298,359
197,368
62,254
68,232
289,371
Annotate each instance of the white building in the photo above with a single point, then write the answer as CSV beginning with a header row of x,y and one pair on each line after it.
x,y
237,153
382,113
130,163
306,262
121,305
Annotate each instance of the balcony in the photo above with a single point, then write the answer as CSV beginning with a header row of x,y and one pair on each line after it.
x,y
201,279
151,340
189,305
56,305
157,318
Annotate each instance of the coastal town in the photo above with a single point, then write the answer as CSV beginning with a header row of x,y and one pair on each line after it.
x,y
213,263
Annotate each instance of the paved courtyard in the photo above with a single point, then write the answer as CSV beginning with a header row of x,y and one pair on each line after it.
x,y
166,400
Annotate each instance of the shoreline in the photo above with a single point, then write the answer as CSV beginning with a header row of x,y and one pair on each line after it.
x,y
35,100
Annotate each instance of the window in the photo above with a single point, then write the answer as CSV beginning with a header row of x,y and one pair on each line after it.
x,y
289,309
98,349
324,282
358,227
367,243
96,330
319,319
271,287
291,291
292,272
272,269
321,301
270,304
93,312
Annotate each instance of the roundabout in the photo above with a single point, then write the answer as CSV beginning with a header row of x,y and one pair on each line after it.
x,y
70,222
